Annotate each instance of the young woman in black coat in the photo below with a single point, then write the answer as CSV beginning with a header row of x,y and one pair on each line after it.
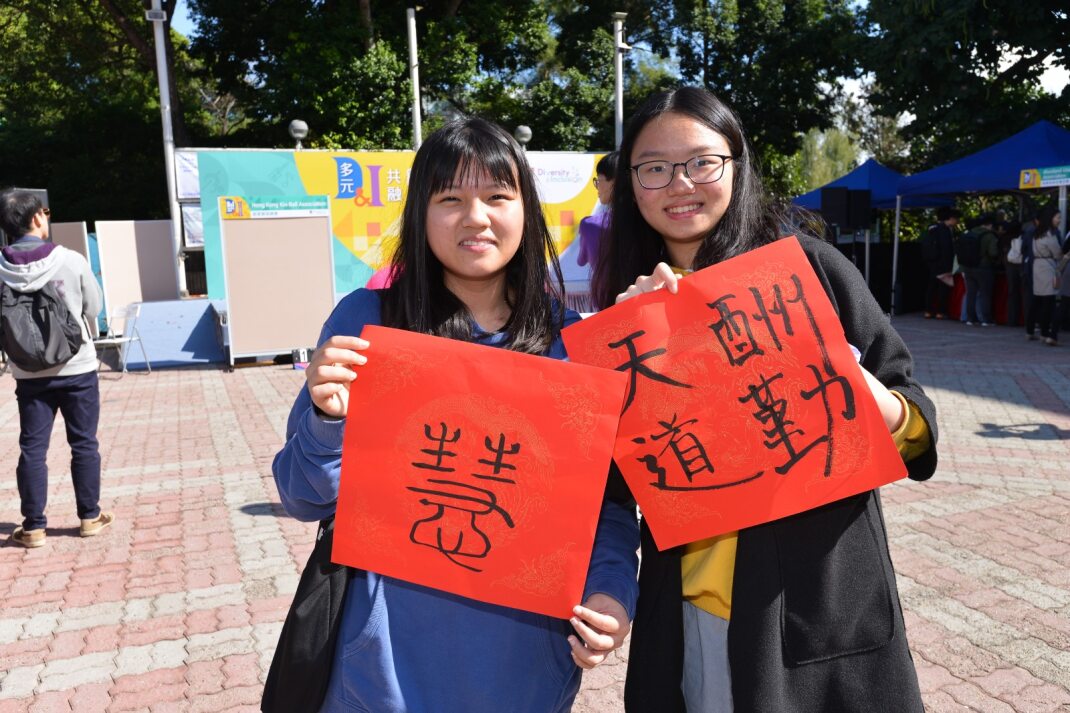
x,y
802,613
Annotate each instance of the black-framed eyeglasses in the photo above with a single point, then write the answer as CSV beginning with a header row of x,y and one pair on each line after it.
x,y
47,212
707,168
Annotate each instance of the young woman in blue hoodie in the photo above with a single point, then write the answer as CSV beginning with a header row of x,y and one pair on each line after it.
x,y
470,265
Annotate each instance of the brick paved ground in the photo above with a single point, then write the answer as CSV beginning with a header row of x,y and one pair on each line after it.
x,y
178,607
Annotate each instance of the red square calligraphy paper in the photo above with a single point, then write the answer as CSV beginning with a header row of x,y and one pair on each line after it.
x,y
745,403
475,470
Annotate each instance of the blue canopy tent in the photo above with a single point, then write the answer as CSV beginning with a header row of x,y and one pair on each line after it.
x,y
881,181
994,169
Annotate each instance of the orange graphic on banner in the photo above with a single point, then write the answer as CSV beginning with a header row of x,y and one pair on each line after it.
x,y
475,470
744,404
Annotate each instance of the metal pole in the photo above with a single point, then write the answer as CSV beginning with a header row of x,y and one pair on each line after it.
x,y
414,77
895,253
867,257
1062,212
618,71
158,17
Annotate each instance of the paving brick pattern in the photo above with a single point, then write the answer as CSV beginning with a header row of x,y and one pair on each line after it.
x,y
179,605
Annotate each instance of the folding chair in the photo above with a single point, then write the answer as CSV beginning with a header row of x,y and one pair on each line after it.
x,y
122,331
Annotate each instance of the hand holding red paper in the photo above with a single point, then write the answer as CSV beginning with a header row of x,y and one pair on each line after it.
x,y
330,372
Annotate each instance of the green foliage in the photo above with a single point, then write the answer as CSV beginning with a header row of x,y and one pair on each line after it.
x,y
967,70
775,62
80,108
827,155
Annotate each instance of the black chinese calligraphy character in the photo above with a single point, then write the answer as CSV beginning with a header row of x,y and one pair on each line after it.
x,y
635,366
452,528
772,412
439,453
690,455
733,332
778,308
499,451
848,404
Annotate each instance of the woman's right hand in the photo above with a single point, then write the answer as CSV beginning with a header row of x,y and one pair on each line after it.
x,y
663,276
331,370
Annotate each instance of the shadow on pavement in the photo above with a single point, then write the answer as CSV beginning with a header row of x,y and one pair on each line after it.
x,y
1029,431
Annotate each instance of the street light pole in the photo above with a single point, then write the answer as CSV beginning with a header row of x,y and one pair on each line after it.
x,y
158,17
414,77
619,47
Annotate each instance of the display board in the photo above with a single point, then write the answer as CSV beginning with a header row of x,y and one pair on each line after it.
x,y
72,236
137,262
278,270
367,190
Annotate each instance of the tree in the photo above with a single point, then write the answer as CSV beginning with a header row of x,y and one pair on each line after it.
x,y
967,71
776,62
80,107
827,155
879,136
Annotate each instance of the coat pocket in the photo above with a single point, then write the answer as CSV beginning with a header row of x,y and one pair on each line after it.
x,y
837,599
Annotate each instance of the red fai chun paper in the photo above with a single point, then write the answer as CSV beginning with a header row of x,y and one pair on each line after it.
x,y
475,470
745,403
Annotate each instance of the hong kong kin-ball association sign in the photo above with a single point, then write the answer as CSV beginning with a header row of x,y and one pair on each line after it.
x,y
745,403
475,470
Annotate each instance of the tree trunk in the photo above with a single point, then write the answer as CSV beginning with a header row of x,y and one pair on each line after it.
x,y
365,7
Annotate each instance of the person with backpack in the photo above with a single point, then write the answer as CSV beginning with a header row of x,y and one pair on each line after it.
x,y
48,300
978,255
938,252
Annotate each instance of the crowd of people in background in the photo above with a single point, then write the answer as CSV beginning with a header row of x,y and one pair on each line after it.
x,y
1032,253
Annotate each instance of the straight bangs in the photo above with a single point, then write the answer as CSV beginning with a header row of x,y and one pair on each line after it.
x,y
466,157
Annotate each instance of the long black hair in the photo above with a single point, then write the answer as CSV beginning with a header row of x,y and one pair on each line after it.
x,y
418,299
633,248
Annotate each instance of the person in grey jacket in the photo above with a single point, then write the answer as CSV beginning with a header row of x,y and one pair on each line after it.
x,y
27,265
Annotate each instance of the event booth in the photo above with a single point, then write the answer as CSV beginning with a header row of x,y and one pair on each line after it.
x,y
995,169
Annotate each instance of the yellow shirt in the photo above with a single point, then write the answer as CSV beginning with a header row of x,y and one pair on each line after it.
x,y
707,566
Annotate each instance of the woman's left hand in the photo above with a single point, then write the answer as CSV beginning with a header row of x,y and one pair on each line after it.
x,y
890,407
661,277
602,625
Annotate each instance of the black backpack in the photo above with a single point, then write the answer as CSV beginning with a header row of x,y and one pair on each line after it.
x,y
968,249
37,331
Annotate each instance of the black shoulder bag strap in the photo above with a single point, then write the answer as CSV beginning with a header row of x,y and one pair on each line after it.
x,y
299,673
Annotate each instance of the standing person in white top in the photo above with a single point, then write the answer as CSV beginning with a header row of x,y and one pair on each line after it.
x,y
33,264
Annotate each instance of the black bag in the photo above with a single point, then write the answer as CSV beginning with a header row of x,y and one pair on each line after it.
x,y
37,331
299,673
968,249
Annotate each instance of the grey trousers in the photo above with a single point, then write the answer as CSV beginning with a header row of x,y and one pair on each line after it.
x,y
707,683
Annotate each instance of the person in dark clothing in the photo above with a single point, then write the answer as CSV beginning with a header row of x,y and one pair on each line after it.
x,y
1012,263
938,252
799,614
1029,230
981,277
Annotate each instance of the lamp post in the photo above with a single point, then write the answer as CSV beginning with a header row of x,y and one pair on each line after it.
x,y
157,16
414,78
298,131
522,134
619,48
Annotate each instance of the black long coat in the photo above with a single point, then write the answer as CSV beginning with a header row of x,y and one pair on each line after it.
x,y
816,623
